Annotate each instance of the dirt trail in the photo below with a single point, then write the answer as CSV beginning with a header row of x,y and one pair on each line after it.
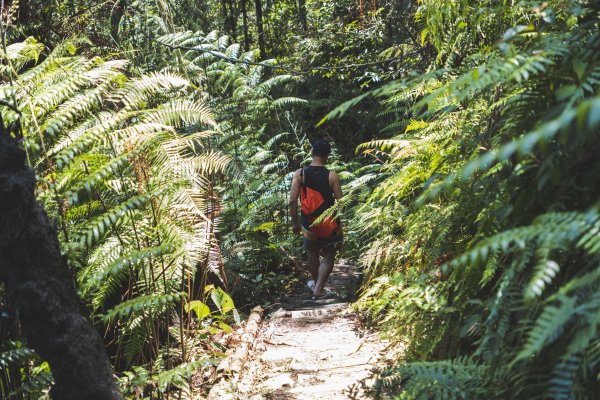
x,y
312,349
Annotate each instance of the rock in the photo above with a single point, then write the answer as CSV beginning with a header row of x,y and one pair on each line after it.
x,y
278,382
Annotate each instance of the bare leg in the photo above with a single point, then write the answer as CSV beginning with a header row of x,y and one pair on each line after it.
x,y
324,270
313,262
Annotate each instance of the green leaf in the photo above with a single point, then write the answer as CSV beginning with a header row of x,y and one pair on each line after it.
x,y
223,326
222,300
236,316
201,309
71,48
424,34
579,67
565,92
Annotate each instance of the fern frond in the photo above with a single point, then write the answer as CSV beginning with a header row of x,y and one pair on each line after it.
x,y
289,101
136,258
548,327
21,54
138,91
181,113
179,375
141,303
92,230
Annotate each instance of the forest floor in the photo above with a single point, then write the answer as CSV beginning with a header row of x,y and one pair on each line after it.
x,y
311,349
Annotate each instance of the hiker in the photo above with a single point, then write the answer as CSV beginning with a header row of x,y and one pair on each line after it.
x,y
318,188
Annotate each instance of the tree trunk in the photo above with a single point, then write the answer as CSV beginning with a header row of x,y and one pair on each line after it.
x,y
361,14
225,16
245,23
40,289
302,15
233,20
259,27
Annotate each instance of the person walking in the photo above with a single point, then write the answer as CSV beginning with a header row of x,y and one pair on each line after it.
x,y
318,189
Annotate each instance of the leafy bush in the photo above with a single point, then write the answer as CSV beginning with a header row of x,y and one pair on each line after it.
x,y
483,216
124,168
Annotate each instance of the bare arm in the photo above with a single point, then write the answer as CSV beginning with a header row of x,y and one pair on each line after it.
x,y
294,193
336,186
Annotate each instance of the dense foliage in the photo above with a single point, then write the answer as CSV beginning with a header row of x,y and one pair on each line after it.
x,y
128,168
123,169
482,229
164,135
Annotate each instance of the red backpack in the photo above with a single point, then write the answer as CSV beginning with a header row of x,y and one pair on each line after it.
x,y
310,202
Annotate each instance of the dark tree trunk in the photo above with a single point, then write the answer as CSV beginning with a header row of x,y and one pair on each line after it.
x,y
245,23
259,28
302,15
233,20
115,19
226,20
40,289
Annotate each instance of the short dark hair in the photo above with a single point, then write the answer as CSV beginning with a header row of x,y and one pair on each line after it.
x,y
321,148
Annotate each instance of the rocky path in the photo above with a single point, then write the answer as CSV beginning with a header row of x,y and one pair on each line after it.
x,y
311,349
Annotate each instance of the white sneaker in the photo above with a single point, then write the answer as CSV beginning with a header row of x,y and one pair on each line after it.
x,y
310,285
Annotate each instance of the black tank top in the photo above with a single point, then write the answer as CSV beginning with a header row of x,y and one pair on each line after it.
x,y
317,178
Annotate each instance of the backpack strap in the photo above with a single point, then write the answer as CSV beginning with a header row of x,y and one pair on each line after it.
x,y
303,180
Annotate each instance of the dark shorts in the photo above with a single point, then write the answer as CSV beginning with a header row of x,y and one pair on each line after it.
x,y
334,243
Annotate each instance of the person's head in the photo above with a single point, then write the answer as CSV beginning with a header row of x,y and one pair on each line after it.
x,y
321,148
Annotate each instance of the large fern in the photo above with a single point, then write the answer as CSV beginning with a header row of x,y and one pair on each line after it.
x,y
124,169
